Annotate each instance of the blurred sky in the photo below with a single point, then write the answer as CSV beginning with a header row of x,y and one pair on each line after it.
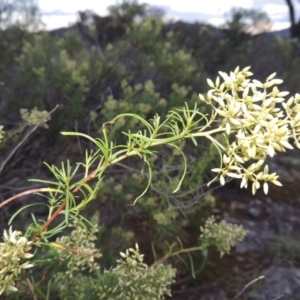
x,y
60,13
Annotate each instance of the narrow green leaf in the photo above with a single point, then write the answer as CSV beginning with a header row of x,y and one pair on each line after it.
x,y
23,208
148,184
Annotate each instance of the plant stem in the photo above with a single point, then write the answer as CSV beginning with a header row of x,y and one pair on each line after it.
x,y
178,252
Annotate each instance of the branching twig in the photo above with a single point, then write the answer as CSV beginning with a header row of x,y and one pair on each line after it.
x,y
277,298
24,139
248,285
61,207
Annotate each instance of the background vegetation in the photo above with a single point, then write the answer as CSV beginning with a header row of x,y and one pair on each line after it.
x,y
128,61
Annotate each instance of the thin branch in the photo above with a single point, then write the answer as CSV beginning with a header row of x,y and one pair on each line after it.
x,y
25,138
291,12
77,251
31,288
175,253
61,207
277,298
95,172
247,285
49,221
20,195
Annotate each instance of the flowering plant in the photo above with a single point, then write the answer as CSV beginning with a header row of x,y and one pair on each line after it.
x,y
255,121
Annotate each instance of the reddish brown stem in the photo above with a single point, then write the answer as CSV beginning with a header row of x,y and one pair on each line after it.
x,y
20,195
61,207
49,221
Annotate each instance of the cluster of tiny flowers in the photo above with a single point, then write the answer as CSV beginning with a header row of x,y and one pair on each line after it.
x,y
78,251
223,235
135,280
257,120
13,254
35,117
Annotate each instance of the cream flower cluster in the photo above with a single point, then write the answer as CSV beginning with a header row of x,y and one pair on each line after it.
x,y
223,235
257,120
13,254
135,280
